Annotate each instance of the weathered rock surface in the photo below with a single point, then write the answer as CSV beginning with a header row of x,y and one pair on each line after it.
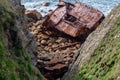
x,y
18,43
28,39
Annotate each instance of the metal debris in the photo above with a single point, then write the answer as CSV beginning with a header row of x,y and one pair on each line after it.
x,y
74,19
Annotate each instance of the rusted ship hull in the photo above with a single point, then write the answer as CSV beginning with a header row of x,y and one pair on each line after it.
x,y
75,19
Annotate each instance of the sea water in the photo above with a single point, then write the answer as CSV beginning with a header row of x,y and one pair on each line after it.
x,y
104,6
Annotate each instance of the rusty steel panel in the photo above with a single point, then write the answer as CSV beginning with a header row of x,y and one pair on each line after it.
x,y
57,16
75,19
67,28
86,14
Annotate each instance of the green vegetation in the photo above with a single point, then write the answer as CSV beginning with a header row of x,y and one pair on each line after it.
x,y
6,5
105,61
15,63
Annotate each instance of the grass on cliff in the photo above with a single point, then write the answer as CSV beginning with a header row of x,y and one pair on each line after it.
x,y
105,61
15,63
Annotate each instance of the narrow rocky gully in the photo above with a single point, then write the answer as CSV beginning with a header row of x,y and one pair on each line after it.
x,y
56,50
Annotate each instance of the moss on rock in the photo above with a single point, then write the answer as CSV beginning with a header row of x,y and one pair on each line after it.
x,y
104,62
15,63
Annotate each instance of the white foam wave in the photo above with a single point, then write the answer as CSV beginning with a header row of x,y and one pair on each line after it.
x,y
103,5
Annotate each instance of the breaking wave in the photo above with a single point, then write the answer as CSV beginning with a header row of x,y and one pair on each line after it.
x,y
104,6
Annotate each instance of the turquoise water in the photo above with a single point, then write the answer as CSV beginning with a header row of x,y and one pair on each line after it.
x,y
104,6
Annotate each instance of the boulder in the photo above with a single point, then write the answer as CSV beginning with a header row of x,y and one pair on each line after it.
x,y
45,3
50,12
33,14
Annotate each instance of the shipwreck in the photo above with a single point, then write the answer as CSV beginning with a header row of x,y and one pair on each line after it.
x,y
67,28
74,19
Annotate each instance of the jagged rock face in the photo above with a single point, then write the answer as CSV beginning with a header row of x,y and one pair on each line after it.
x,y
15,44
28,40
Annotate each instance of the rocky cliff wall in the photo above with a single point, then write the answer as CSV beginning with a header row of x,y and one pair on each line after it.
x,y
15,44
28,40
